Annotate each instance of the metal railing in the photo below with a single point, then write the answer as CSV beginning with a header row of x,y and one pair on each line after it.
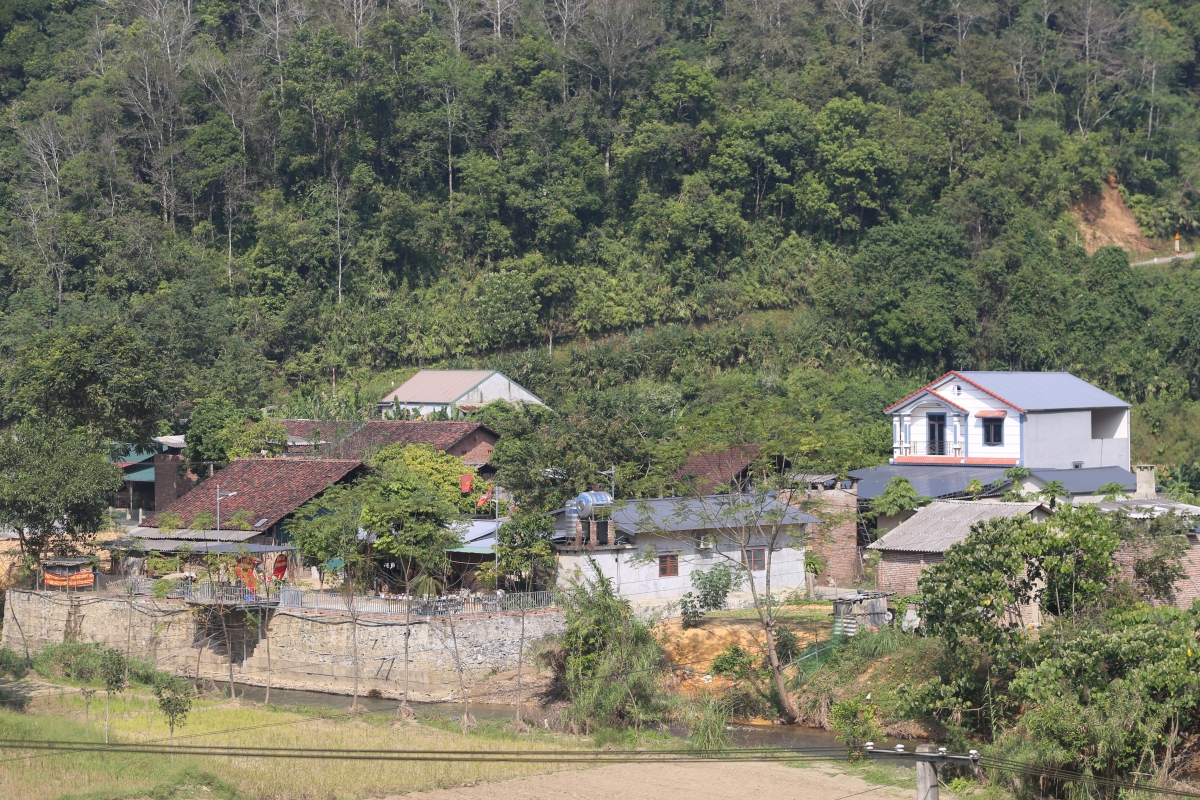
x,y
284,597
417,606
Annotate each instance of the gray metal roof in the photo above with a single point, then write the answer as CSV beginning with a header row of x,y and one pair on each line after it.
x,y
1149,509
174,545
1088,479
937,526
674,514
929,481
187,534
1044,391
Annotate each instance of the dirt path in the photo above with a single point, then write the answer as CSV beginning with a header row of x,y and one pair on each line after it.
x,y
666,781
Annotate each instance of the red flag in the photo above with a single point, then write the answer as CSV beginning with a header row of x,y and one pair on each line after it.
x,y
465,482
483,501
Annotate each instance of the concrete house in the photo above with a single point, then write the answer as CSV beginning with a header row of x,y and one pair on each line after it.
x,y
1048,420
649,548
440,390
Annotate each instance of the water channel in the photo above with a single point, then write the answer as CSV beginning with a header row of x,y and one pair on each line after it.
x,y
786,736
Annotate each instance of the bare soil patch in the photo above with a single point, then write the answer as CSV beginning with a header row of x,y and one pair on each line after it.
x,y
714,781
1104,219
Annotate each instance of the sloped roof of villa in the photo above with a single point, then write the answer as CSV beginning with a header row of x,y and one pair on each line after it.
x,y
1031,391
937,526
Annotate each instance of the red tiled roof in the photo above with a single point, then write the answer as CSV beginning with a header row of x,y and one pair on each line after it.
x,y
380,433
991,413
269,488
717,469
955,460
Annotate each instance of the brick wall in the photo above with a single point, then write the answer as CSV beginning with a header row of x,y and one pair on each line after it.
x,y
475,448
1186,589
836,541
899,571
169,483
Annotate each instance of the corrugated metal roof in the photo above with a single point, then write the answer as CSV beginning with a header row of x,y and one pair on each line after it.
x,y
1088,479
929,481
693,513
175,545
1043,391
438,385
190,535
1149,509
174,441
146,474
937,526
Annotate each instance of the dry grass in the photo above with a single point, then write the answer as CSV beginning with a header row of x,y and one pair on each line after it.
x,y
132,775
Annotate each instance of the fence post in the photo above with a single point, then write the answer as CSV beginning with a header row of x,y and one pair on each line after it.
x,y
927,780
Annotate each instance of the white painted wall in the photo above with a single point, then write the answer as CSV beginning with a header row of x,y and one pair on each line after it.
x,y
1058,439
641,585
913,418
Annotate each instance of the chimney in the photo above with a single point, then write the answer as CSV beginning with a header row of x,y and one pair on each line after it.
x,y
1145,482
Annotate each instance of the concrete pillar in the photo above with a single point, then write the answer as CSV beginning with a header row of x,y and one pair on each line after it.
x,y
1146,479
927,782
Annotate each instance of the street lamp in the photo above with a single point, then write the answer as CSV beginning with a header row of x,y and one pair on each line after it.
x,y
220,496
611,472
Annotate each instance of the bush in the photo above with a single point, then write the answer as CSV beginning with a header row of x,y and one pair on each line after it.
x,y
733,662
608,663
708,730
854,720
787,646
883,642
690,611
12,663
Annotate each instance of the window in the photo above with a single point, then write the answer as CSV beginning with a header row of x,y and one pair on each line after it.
x,y
756,559
993,431
668,565
1076,465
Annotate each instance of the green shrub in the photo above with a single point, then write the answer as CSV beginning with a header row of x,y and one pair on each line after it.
x,y
787,646
880,643
690,611
707,730
12,663
733,662
854,720
607,662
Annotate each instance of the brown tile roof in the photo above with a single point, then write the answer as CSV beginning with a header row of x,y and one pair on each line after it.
x,y
715,471
377,434
269,488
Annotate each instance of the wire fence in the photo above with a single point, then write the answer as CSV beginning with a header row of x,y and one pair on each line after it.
x,y
290,598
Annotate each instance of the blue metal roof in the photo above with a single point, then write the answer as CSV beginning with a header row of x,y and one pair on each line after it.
x,y
1087,480
1044,391
929,481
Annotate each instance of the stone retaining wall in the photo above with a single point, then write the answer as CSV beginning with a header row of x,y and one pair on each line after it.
x,y
305,650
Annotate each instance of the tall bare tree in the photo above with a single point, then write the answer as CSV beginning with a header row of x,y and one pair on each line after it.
x,y
618,34
561,18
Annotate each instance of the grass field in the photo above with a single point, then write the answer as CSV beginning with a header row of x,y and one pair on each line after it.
x,y
31,776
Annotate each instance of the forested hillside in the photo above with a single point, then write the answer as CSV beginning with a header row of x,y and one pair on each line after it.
x,y
823,201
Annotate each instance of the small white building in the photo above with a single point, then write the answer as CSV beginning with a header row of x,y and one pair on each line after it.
x,y
650,548
1038,420
442,390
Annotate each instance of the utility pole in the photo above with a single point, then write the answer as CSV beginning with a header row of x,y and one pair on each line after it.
x,y
927,780
927,757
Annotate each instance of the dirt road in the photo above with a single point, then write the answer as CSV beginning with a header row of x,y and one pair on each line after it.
x,y
667,781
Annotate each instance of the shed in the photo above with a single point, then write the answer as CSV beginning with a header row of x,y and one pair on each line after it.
x,y
860,610
923,539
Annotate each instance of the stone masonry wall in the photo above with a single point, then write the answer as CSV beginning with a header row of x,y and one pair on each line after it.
x,y
305,650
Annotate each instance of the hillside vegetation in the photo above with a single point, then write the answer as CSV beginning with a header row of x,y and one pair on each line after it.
x,y
784,210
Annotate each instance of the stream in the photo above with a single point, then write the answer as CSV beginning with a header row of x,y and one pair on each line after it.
x,y
789,736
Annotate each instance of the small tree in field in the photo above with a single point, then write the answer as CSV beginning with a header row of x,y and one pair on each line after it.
x,y
112,672
174,701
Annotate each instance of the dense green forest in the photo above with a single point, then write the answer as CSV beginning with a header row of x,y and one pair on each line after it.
x,y
650,212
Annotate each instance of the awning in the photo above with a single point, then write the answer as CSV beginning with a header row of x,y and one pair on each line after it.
x,y
997,413
146,475
478,551
175,545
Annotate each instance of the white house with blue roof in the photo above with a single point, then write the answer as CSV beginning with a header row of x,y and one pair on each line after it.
x,y
1038,420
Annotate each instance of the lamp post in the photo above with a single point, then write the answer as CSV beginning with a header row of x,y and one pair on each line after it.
x,y
221,495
